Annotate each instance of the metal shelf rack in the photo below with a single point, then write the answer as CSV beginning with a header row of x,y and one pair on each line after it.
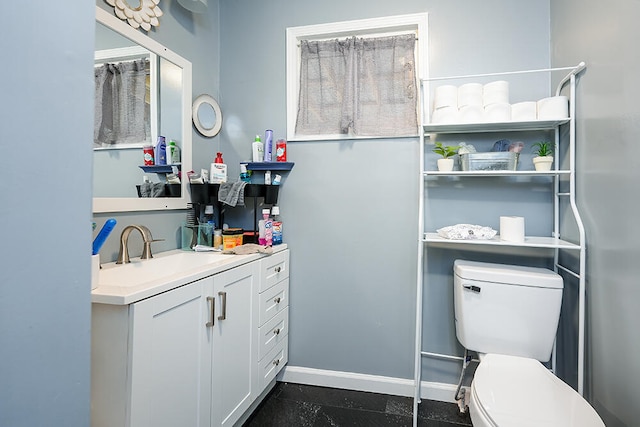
x,y
554,243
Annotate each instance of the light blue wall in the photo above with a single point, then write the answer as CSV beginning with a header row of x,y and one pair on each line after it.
x,y
605,35
350,208
45,214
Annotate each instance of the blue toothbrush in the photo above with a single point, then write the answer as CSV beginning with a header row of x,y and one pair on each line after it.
x,y
107,228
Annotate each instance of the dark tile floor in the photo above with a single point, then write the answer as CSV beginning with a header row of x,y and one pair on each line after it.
x,y
293,405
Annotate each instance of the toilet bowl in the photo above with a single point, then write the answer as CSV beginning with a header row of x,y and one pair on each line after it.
x,y
513,391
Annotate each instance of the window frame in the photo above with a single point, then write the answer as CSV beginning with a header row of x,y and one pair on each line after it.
x,y
373,27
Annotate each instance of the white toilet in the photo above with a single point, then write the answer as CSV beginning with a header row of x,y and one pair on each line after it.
x,y
509,315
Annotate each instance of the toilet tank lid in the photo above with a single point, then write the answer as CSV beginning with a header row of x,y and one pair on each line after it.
x,y
507,274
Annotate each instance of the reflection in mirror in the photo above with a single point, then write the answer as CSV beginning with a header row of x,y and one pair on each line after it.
x,y
117,163
207,116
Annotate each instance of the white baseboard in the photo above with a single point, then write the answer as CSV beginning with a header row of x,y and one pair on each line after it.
x,y
363,382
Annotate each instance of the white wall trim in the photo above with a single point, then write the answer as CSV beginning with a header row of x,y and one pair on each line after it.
x,y
364,382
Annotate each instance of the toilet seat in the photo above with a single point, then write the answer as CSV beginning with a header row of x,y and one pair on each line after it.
x,y
516,391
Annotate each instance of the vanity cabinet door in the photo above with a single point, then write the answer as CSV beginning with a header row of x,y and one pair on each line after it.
x,y
234,352
171,350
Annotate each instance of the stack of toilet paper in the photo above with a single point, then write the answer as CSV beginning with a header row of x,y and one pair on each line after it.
x,y
489,103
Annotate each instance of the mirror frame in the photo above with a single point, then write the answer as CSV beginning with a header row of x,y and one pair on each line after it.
x,y
131,204
217,126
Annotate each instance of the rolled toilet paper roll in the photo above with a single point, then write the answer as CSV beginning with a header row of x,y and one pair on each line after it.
x,y
470,94
495,93
445,115
524,111
445,96
497,112
553,108
471,114
512,229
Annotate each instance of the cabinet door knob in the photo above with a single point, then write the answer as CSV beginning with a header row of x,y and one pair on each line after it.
x,y
278,269
276,362
212,311
276,331
276,300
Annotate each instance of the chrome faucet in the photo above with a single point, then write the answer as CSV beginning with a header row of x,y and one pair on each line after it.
x,y
123,254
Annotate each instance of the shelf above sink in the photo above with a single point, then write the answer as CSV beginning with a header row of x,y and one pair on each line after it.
x,y
270,166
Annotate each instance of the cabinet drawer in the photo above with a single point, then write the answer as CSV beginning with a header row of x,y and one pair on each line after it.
x,y
273,332
273,269
273,301
273,363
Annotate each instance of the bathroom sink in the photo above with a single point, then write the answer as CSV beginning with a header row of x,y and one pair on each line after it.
x,y
160,268
123,284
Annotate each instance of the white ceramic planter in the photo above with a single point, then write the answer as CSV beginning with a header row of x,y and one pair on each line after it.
x,y
543,163
445,165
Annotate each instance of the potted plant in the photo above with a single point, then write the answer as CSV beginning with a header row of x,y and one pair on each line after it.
x,y
543,159
445,164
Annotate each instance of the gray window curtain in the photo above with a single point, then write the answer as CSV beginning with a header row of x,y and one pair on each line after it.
x,y
121,105
358,87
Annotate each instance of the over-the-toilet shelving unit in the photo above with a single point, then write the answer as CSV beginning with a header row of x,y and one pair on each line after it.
x,y
565,195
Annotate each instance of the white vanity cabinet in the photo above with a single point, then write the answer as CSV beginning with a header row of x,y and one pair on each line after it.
x,y
190,356
233,353
273,318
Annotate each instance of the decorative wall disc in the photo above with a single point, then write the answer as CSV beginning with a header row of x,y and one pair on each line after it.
x,y
144,15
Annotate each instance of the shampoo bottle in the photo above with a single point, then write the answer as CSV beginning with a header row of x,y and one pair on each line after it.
x,y
268,144
257,149
218,173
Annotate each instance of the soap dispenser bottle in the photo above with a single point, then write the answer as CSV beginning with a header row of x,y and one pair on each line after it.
x,y
218,173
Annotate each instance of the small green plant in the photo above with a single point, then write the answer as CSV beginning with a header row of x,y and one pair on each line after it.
x,y
543,148
446,150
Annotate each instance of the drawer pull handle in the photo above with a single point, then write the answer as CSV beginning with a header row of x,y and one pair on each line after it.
x,y
277,300
223,295
212,311
276,331
278,269
276,362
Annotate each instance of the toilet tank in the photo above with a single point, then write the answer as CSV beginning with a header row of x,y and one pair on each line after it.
x,y
506,309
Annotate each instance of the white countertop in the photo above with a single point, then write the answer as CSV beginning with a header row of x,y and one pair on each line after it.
x,y
127,283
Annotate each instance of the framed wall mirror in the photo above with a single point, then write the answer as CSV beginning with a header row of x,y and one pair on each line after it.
x,y
207,116
117,170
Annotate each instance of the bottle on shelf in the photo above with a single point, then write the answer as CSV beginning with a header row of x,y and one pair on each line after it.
x,y
268,144
161,151
276,226
218,173
173,153
281,150
148,157
244,173
257,148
